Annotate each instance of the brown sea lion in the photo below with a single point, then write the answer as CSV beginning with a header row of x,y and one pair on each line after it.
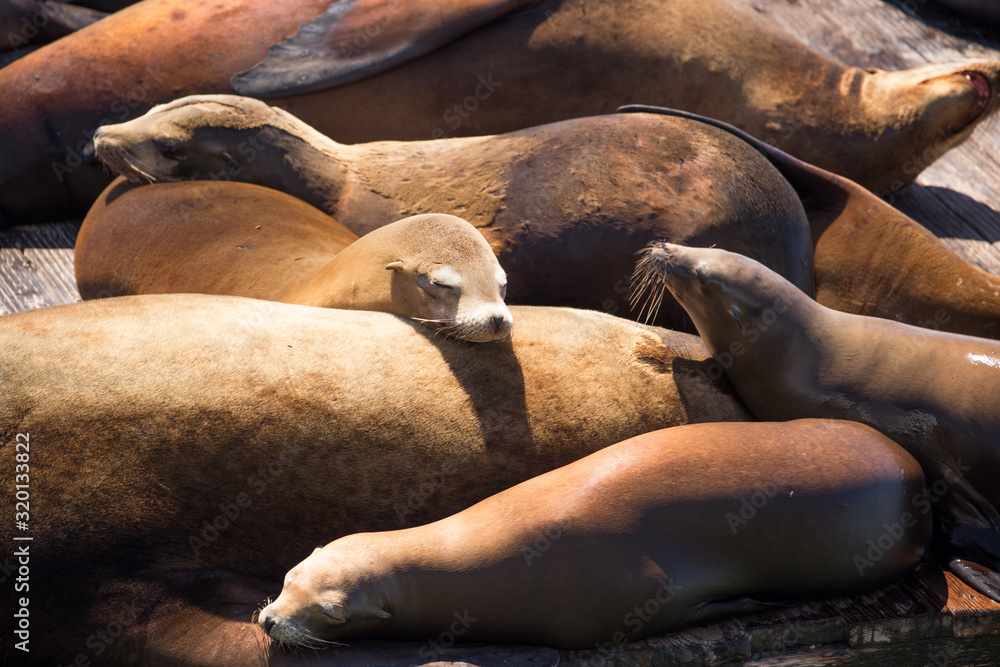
x,y
519,69
936,394
187,450
551,207
871,259
572,558
249,241
565,232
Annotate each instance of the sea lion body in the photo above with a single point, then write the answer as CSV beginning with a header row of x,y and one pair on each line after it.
x,y
174,439
565,232
244,240
937,394
531,67
572,558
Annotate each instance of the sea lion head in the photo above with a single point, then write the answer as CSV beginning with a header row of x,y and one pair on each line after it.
x,y
434,268
333,594
735,302
941,104
199,137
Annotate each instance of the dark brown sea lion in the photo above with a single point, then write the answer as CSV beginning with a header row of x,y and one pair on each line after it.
x,y
524,69
245,240
187,450
936,394
638,539
565,231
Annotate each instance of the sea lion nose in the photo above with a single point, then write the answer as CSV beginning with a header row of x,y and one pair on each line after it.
x,y
267,622
497,323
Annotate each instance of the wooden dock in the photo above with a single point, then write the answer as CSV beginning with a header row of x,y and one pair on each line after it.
x,y
929,619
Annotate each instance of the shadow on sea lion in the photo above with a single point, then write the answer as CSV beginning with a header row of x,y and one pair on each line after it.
x,y
564,230
936,394
427,69
186,449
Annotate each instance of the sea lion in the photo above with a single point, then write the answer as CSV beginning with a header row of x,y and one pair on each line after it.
x,y
565,232
937,394
187,450
249,241
870,258
571,558
518,69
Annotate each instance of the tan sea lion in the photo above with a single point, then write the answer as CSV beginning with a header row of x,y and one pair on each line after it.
x,y
638,539
250,241
936,394
564,230
187,450
489,66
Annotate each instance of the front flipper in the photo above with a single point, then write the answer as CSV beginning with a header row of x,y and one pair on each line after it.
x,y
982,578
355,39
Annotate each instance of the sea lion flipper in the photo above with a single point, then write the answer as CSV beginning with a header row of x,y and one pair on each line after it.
x,y
709,612
355,39
980,577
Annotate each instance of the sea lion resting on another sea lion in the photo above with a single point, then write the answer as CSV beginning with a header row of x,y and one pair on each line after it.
x,y
424,69
436,269
937,394
565,231
637,539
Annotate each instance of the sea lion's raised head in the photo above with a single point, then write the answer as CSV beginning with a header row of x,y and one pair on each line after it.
x,y
199,137
732,300
333,594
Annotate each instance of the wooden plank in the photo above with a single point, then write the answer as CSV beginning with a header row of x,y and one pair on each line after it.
x,y
36,266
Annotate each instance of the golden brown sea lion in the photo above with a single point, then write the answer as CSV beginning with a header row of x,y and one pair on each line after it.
x,y
564,230
638,539
936,394
519,69
244,240
187,450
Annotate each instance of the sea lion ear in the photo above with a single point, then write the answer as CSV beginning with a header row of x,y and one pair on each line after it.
x,y
736,315
394,266
378,612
